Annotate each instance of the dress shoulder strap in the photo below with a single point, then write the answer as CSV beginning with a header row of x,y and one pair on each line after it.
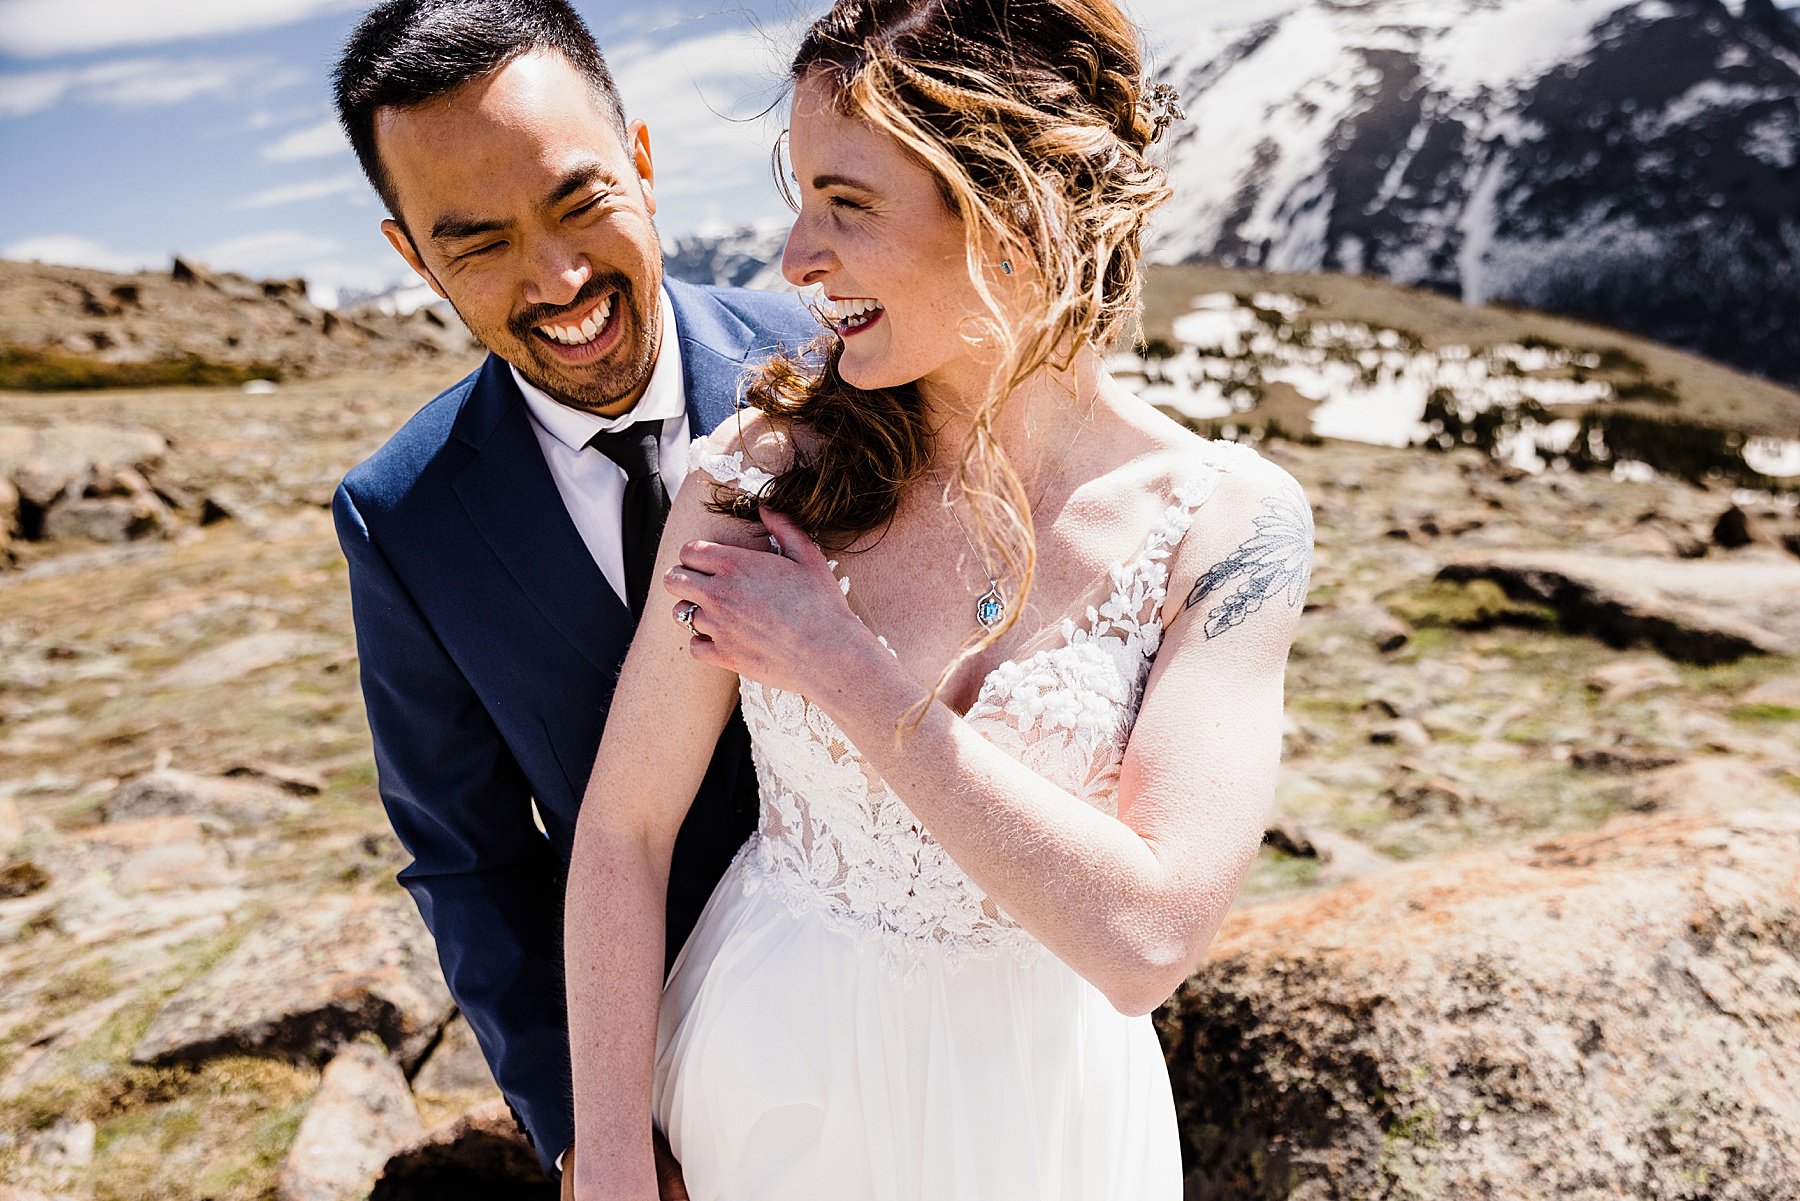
x,y
1141,584
727,466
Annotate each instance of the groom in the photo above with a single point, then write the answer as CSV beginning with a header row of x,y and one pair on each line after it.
x,y
501,544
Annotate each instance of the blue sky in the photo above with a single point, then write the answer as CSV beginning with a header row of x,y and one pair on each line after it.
x,y
135,129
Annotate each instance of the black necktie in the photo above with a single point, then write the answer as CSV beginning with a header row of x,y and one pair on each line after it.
x,y
636,449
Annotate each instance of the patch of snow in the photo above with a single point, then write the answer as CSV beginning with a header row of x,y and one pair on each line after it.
x,y
1509,45
1369,384
1779,457
1711,94
1480,219
1774,140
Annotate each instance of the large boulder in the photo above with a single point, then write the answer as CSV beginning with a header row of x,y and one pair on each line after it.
x,y
307,983
1615,1015
232,661
456,1065
1696,611
81,481
480,1156
237,802
362,1113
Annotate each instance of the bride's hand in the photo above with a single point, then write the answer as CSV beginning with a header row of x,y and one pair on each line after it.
x,y
779,619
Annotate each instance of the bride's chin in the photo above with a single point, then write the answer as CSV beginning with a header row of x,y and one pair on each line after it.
x,y
866,376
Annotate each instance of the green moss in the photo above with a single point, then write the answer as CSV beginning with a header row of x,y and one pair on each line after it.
x,y
1474,605
217,1131
1277,872
1765,713
52,370
1423,641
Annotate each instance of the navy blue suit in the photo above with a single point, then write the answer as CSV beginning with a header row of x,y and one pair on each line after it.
x,y
490,645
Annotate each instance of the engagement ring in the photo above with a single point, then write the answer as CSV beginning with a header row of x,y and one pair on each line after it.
x,y
686,616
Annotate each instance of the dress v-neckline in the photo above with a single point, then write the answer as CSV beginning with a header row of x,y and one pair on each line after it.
x,y
1060,633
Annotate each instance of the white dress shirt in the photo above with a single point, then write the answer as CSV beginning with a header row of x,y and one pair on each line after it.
x,y
592,486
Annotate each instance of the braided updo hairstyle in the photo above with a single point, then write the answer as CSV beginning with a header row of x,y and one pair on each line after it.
x,y
1036,120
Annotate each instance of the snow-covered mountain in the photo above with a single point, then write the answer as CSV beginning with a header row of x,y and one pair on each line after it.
x,y
1636,162
747,257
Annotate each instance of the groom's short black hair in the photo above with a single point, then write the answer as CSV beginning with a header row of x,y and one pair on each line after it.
x,y
405,52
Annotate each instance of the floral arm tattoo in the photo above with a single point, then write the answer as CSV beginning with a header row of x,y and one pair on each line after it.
x,y
1275,560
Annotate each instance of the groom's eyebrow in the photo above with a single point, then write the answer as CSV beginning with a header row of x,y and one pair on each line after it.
x,y
578,177
453,227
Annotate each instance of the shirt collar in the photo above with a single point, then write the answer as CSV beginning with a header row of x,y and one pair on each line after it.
x,y
663,397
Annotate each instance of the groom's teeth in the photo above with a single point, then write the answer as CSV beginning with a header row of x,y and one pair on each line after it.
x,y
580,335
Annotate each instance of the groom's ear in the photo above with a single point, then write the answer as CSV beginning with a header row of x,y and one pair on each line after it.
x,y
402,243
638,143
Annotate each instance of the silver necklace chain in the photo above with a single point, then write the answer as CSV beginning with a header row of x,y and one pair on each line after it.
x,y
990,606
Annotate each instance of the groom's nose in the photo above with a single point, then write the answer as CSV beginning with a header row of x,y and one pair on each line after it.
x,y
558,272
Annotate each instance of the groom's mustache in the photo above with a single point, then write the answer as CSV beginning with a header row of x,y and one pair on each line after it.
x,y
528,319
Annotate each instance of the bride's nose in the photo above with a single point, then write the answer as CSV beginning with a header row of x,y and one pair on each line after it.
x,y
805,260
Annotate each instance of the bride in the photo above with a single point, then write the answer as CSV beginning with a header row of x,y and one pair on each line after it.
x,y
1016,726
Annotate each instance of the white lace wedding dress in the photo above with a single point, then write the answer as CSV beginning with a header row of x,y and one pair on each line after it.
x,y
852,1020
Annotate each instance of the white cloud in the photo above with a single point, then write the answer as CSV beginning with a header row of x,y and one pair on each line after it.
x,y
315,141
689,93
73,250
124,83
36,28
278,249
349,183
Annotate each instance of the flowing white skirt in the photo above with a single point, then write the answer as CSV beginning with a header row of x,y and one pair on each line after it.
x,y
792,1066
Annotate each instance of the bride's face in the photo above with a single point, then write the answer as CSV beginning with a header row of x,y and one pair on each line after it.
x,y
876,237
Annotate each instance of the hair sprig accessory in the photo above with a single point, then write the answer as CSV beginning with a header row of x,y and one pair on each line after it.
x,y
1163,105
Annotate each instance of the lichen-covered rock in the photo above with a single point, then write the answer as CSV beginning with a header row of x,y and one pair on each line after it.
x,y
232,661
480,1156
307,983
1615,1015
1695,611
362,1113
1710,783
12,826
238,802
1623,679
456,1064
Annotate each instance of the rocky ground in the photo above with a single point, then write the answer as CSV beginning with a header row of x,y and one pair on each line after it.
x,y
1523,926
70,327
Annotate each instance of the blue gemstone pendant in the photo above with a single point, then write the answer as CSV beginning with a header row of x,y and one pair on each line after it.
x,y
990,606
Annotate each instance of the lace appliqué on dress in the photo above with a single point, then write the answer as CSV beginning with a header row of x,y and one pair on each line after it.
x,y
836,842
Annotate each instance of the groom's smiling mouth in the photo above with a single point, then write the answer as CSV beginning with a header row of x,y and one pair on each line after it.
x,y
583,336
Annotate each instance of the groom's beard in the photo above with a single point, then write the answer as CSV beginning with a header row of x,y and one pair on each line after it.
x,y
598,386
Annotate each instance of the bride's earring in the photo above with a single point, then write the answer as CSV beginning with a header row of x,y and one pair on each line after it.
x,y
1006,266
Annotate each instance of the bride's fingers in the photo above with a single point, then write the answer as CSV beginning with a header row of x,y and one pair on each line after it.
x,y
715,557
794,542
684,583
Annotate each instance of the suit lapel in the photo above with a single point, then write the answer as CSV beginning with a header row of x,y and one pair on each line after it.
x,y
510,496
714,344
507,491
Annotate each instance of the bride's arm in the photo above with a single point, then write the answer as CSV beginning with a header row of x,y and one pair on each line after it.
x,y
666,717
1130,902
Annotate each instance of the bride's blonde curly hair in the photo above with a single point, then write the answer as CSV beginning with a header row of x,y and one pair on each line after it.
x,y
1036,119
